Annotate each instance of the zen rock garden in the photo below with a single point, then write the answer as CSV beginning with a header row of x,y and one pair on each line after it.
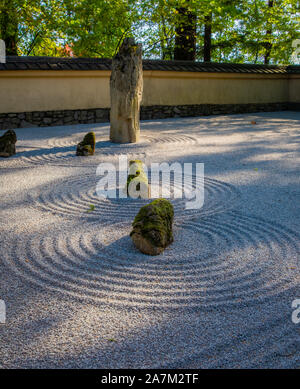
x,y
152,227
139,279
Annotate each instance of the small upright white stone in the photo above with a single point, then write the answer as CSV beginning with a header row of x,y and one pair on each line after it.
x,y
126,90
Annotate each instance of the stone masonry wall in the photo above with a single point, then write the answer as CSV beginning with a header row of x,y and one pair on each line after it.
x,y
100,115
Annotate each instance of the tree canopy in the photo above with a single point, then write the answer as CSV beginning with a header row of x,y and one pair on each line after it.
x,y
255,31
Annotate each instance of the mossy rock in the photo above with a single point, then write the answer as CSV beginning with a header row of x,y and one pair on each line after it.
x,y
87,145
135,161
8,144
152,227
138,178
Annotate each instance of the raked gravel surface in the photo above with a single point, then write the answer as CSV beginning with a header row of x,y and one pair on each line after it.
x,y
79,295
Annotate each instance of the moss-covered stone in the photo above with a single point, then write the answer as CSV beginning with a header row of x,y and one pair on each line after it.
x,y
152,227
8,144
138,177
87,145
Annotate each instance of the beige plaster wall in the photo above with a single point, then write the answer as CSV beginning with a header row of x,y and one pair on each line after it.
x,y
26,91
294,88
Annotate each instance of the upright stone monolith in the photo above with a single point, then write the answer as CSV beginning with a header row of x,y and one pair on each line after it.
x,y
126,90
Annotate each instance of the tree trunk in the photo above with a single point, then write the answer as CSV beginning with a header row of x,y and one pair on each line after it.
x,y
126,89
9,27
166,50
11,45
185,39
207,38
268,44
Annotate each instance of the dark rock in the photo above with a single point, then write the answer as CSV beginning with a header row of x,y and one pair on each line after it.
x,y
26,124
47,120
100,114
8,144
87,146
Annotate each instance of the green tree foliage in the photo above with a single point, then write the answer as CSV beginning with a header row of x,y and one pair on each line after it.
x,y
31,26
44,27
185,32
264,28
96,27
9,26
226,30
256,31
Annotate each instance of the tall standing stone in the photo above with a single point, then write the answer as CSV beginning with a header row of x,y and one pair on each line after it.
x,y
126,90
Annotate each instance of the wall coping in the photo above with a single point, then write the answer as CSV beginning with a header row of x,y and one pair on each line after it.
x,y
85,64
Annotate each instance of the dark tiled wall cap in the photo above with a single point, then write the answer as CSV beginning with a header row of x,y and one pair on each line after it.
x,y
54,63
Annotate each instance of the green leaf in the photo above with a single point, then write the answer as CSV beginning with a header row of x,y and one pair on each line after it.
x,y
92,208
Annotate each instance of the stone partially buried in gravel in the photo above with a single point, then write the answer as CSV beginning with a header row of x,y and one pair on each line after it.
x,y
87,146
137,181
8,144
152,227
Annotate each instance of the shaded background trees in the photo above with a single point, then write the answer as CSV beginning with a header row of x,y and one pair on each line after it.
x,y
256,31
185,32
9,26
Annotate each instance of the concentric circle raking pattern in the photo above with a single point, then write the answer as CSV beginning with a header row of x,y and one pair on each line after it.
x,y
73,197
225,259
275,339
103,141
63,150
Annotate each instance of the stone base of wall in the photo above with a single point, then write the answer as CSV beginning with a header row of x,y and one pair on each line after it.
x,y
100,115
53,118
159,111
294,106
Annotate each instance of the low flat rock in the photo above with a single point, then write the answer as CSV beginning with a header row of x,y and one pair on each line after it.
x,y
8,144
152,227
87,145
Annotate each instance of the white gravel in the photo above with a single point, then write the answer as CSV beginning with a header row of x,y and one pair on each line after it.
x,y
79,295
